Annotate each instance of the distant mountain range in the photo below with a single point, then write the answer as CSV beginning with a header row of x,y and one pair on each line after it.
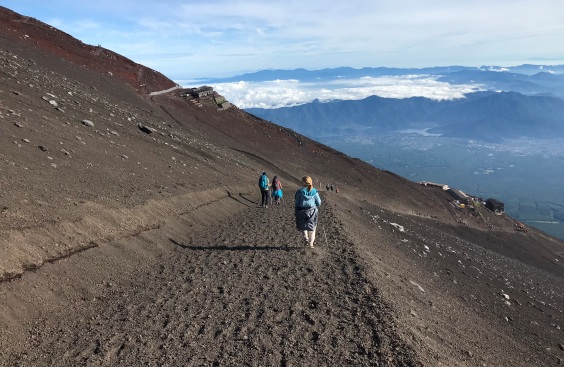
x,y
519,101
348,72
542,82
487,116
527,79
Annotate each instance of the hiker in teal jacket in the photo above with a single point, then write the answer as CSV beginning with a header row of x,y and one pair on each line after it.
x,y
264,186
306,203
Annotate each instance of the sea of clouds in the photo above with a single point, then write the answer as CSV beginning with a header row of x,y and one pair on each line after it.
x,y
286,93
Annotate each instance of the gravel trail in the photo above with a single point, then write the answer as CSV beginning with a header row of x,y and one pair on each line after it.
x,y
245,292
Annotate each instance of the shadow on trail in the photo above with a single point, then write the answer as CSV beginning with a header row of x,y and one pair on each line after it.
x,y
235,248
231,196
250,201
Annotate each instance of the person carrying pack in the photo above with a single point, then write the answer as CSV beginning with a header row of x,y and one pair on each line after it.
x,y
306,203
276,190
264,188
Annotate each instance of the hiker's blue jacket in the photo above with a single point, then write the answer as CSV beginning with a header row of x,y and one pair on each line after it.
x,y
263,182
306,199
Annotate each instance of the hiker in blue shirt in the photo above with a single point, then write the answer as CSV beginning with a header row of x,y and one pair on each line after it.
x,y
263,186
306,203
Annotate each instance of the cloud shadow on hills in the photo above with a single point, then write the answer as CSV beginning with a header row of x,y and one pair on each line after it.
x,y
235,248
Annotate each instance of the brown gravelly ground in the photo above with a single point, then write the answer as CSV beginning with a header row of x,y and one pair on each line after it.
x,y
247,292
122,248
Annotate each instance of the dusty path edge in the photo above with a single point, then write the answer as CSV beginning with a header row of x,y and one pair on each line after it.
x,y
31,248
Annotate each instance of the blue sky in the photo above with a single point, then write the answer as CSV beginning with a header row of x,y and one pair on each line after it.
x,y
216,38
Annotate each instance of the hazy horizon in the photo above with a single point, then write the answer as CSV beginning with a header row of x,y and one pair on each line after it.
x,y
212,39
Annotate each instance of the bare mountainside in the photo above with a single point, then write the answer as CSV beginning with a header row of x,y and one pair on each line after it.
x,y
130,234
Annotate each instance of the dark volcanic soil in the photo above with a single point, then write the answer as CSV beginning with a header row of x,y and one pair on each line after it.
x,y
245,293
122,246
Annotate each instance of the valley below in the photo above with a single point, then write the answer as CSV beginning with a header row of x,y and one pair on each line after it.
x,y
526,175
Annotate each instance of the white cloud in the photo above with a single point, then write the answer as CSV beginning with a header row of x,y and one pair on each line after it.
x,y
284,93
230,36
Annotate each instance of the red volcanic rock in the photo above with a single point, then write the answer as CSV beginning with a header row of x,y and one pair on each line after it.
x,y
60,44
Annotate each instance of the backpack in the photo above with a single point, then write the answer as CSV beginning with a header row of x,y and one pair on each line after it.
x,y
263,182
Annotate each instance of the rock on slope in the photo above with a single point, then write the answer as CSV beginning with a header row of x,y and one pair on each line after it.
x,y
122,246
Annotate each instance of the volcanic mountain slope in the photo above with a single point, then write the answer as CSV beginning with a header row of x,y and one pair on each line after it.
x,y
52,41
130,234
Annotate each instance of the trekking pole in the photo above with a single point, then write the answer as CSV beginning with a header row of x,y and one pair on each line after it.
x,y
325,234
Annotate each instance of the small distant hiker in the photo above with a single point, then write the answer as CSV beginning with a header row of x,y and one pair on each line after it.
x,y
263,186
306,204
327,187
332,187
276,190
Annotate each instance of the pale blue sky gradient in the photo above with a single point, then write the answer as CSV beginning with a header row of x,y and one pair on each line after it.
x,y
191,39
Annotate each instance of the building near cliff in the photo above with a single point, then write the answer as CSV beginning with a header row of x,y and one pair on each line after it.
x,y
495,206
459,195
199,92
434,184
224,105
221,102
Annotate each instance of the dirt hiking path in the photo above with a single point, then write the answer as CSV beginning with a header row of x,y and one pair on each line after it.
x,y
245,292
